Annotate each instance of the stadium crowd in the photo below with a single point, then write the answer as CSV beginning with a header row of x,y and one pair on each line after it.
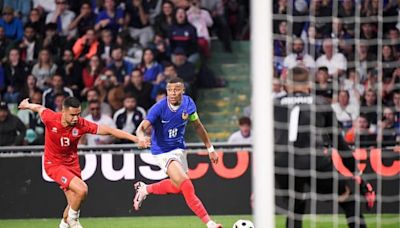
x,y
352,48
116,56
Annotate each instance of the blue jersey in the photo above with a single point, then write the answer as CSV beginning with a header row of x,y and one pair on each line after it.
x,y
168,125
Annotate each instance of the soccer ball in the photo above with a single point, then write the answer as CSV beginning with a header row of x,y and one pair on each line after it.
x,y
243,224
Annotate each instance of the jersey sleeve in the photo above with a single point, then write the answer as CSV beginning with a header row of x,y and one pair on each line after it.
x,y
47,115
153,114
89,127
191,109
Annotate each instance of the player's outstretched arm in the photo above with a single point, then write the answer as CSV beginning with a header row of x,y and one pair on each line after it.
x,y
105,130
202,133
34,107
141,131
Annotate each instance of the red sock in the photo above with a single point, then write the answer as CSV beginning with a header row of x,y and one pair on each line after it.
x,y
193,201
162,188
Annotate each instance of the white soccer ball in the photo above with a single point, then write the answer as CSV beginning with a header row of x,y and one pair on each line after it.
x,y
243,224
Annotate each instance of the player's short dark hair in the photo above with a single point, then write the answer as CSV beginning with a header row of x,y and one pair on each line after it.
x,y
298,75
176,80
71,102
245,121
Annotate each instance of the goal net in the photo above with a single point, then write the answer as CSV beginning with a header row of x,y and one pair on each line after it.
x,y
351,49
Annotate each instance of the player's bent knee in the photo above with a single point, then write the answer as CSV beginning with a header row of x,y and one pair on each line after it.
x,y
344,196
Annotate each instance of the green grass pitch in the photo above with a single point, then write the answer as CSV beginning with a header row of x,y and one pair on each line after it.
x,y
323,221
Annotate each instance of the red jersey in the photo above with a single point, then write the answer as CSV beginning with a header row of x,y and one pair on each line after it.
x,y
61,143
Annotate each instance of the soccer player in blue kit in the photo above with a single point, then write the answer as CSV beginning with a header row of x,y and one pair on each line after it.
x,y
168,119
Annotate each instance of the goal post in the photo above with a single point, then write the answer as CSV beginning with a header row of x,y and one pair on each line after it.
x,y
261,80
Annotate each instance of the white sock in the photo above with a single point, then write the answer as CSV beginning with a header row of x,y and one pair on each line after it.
x,y
73,214
63,224
211,223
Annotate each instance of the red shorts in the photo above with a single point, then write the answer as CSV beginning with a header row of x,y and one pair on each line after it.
x,y
62,174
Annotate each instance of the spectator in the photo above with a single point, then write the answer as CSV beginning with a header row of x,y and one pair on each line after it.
x,y
53,42
372,79
12,130
182,34
93,95
161,94
220,25
34,126
244,134
388,135
45,5
121,68
314,43
58,101
63,17
30,87
91,72
339,33
57,87
201,20
277,88
106,45
85,20
165,19
21,8
13,28
110,90
389,61
15,71
321,10
323,86
360,135
365,58
335,62
44,69
86,46
298,57
140,89
185,69
30,45
150,67
353,87
394,36
110,17
138,21
396,107
96,116
345,113
368,33
164,77
130,116
71,72
369,108
37,22
280,42
347,13
5,45
161,47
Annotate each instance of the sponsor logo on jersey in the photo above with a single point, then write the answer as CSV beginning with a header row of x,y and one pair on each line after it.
x,y
64,180
75,132
185,115
54,129
164,121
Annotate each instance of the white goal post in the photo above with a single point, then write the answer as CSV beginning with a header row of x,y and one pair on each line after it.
x,y
261,80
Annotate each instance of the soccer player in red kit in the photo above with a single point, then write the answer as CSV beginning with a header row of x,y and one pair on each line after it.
x,y
61,161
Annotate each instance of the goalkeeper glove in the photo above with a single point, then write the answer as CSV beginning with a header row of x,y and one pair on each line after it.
x,y
367,190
